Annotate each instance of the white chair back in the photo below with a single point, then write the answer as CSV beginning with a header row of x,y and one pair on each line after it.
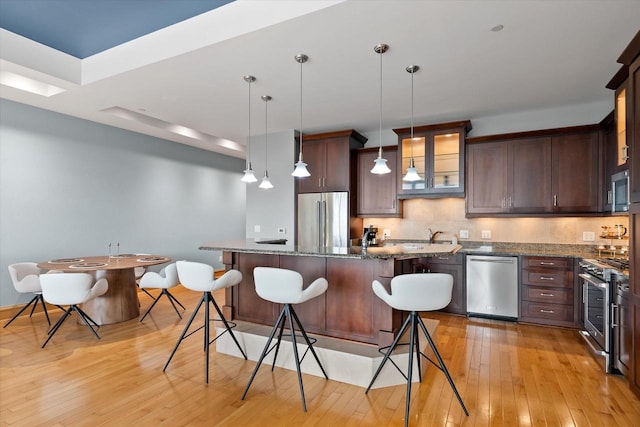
x,y
166,278
195,275
417,292
25,277
71,288
284,286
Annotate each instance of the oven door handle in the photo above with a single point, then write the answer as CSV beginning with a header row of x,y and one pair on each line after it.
x,y
595,282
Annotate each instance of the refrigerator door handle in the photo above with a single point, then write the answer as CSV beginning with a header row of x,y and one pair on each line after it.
x,y
323,223
319,221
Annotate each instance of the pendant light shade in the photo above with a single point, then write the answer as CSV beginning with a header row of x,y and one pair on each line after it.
x,y
266,182
249,177
412,173
300,170
380,166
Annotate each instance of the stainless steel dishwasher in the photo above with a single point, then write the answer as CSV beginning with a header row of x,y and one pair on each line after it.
x,y
492,286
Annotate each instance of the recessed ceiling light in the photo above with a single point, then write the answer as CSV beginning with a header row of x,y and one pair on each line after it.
x,y
26,84
497,28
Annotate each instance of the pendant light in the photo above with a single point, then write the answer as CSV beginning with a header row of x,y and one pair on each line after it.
x,y
380,166
412,173
301,167
248,172
266,182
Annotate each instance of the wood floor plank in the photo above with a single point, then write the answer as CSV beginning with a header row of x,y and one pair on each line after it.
x,y
508,375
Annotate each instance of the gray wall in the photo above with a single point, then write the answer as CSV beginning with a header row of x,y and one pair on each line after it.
x,y
68,187
274,208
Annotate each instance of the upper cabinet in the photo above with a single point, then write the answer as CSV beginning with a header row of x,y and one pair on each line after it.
x,y
438,155
633,132
544,172
377,194
331,161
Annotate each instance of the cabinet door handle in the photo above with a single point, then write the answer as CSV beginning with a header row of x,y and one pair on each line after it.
x,y
393,204
504,202
614,310
609,197
547,311
555,200
625,153
510,202
544,294
546,278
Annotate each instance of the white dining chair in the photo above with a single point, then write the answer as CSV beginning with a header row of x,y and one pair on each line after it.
x,y
25,277
72,289
166,279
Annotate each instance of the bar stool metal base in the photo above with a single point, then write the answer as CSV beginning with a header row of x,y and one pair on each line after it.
x,y
171,299
414,345
287,314
207,300
36,298
84,316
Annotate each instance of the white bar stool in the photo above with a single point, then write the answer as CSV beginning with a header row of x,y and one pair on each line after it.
x,y
199,277
414,293
282,286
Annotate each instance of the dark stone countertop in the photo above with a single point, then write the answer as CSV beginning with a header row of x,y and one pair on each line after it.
x,y
396,250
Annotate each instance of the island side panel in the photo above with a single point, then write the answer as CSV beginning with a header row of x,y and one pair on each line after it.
x,y
247,305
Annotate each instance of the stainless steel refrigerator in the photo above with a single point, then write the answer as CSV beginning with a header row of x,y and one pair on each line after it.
x,y
323,219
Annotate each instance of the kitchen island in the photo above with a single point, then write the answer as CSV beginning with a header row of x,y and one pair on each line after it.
x,y
349,309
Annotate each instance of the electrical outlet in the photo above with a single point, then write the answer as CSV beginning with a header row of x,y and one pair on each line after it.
x,y
464,234
486,234
256,228
386,233
282,230
588,236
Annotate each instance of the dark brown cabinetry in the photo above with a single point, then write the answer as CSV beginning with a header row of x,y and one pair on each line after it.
x,y
331,161
439,158
633,130
547,291
554,171
451,264
377,194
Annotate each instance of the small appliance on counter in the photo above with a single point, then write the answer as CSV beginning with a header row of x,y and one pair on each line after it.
x,y
370,236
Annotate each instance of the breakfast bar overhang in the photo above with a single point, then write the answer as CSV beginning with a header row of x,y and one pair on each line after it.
x,y
349,309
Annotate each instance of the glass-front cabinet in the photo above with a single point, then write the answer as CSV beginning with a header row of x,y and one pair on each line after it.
x,y
437,154
621,126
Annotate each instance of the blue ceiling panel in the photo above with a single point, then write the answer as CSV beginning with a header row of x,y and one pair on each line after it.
x,y
82,28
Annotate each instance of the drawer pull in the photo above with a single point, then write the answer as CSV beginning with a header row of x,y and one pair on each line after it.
x,y
543,294
547,263
546,311
546,278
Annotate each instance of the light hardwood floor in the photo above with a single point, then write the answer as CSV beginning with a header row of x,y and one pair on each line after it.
x,y
508,375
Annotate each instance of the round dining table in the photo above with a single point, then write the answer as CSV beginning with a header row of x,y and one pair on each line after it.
x,y
120,302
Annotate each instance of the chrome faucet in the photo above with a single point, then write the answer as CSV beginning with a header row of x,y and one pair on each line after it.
x,y
433,234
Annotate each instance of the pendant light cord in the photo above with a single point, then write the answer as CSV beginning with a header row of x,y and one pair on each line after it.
x,y
380,141
266,140
300,156
412,117
249,141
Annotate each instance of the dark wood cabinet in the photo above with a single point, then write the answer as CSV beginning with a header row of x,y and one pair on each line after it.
x,y
575,173
450,264
634,298
438,152
377,194
609,152
331,161
554,171
547,291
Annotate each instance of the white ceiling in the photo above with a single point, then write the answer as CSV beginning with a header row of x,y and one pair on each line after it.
x,y
550,54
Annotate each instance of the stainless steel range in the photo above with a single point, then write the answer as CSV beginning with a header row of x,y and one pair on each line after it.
x,y
596,297
602,280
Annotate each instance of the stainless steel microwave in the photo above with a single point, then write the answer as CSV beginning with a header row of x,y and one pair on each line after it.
x,y
620,192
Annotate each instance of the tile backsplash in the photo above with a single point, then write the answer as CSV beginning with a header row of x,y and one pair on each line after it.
x,y
447,216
